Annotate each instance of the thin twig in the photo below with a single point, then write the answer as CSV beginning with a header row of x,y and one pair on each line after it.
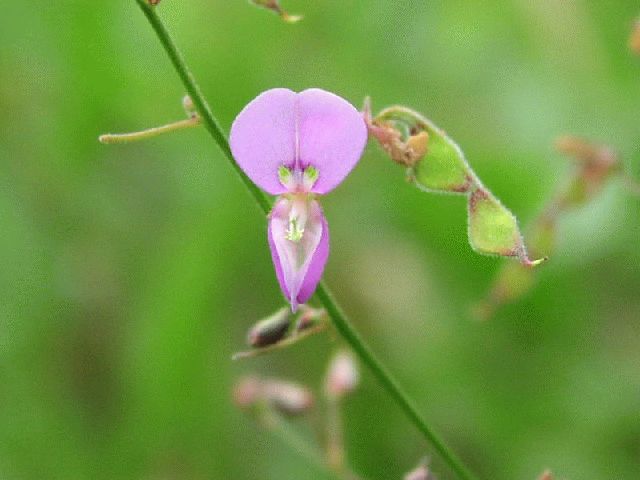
x,y
149,132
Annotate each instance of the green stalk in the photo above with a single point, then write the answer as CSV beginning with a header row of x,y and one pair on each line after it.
x,y
338,317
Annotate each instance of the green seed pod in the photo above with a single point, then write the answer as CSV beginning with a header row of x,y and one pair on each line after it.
x,y
493,230
271,329
444,168
435,163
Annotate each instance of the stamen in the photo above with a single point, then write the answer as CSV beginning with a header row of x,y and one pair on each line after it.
x,y
309,177
286,177
294,232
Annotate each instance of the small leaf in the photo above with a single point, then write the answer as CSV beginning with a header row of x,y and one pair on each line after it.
x,y
493,230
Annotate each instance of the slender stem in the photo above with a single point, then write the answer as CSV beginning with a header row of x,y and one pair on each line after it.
x,y
149,132
391,385
201,105
340,320
335,438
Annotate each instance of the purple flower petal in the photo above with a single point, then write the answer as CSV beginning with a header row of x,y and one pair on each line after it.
x,y
312,128
332,135
280,209
316,267
263,137
298,264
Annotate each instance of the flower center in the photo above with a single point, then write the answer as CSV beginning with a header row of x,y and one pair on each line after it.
x,y
298,216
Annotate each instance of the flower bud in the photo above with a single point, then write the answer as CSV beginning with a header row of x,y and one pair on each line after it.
x,y
247,392
288,397
271,329
342,376
189,107
309,317
421,472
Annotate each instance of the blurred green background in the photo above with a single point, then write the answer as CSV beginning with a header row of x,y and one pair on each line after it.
x,y
130,274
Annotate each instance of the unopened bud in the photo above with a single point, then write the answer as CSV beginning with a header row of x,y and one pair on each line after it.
x,y
247,392
271,329
309,317
421,472
418,144
342,376
288,397
189,107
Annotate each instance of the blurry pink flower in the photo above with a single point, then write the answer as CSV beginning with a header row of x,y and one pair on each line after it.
x,y
298,146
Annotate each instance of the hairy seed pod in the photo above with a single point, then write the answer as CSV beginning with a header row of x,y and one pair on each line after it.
x,y
435,163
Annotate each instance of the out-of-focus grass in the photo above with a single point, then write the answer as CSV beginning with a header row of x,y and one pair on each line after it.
x,y
130,273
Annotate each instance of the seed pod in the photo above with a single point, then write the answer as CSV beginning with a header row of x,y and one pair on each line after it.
x,y
271,329
444,169
435,163
492,228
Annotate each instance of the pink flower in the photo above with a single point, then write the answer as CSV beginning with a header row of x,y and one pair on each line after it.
x,y
298,146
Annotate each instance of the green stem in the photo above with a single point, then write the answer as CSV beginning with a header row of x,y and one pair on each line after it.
x,y
189,82
391,385
340,320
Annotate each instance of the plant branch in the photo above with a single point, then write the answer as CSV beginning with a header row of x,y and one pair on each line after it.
x,y
340,320
149,132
